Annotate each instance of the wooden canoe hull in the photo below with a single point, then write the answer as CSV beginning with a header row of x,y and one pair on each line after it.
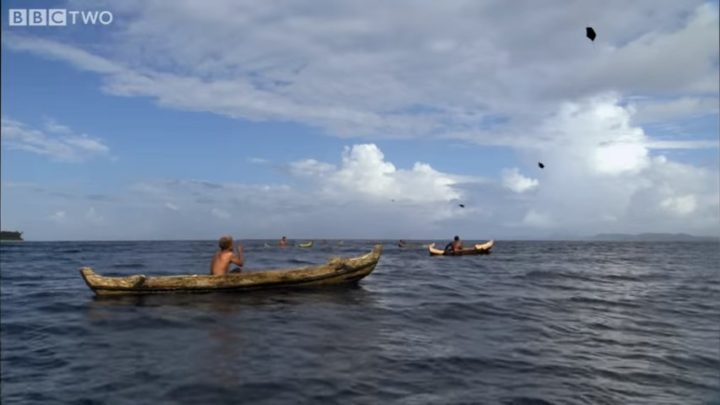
x,y
478,249
335,271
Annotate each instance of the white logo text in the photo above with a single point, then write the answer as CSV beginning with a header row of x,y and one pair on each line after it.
x,y
56,17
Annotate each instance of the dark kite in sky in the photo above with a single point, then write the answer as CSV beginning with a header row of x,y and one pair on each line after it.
x,y
590,32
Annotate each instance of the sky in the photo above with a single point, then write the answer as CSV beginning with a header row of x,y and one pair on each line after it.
x,y
361,119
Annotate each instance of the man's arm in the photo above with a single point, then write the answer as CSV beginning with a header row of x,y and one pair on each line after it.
x,y
238,258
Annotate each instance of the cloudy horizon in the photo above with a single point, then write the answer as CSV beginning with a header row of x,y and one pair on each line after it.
x,y
363,120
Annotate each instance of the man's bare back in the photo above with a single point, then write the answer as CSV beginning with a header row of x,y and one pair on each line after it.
x,y
221,260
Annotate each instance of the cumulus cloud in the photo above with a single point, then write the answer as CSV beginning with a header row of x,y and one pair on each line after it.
x,y
365,173
516,182
600,166
59,143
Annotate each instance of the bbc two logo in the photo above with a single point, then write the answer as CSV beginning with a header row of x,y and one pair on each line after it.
x,y
56,17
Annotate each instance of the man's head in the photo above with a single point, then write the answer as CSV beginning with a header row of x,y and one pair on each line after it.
x,y
457,238
225,242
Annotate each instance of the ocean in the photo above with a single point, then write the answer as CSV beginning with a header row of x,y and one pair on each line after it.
x,y
532,323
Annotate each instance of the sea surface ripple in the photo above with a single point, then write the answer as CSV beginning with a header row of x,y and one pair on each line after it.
x,y
533,323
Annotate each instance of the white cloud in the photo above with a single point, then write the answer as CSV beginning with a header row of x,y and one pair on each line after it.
x,y
694,144
339,204
86,144
600,166
58,216
596,134
574,197
649,111
60,144
93,217
620,157
457,70
516,182
536,219
219,213
682,205
52,126
364,173
667,60
57,50
311,168
402,69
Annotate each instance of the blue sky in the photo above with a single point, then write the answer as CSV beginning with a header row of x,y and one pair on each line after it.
x,y
187,120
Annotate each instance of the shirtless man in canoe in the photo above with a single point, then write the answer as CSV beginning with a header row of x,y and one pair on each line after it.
x,y
455,246
222,259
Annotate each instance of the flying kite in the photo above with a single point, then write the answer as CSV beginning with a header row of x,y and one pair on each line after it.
x,y
590,32
540,165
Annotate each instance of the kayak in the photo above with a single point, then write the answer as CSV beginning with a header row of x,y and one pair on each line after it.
x,y
478,249
336,270
305,244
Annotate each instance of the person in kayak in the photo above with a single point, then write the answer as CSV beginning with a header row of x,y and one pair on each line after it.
x,y
221,261
454,246
283,241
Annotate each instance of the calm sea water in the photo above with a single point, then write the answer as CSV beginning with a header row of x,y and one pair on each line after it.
x,y
534,323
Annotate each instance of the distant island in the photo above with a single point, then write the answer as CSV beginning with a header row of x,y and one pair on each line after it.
x,y
653,237
11,235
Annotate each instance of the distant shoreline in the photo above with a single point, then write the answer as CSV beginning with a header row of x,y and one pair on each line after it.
x,y
11,236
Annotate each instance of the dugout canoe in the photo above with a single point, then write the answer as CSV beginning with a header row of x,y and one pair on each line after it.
x,y
478,249
337,270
